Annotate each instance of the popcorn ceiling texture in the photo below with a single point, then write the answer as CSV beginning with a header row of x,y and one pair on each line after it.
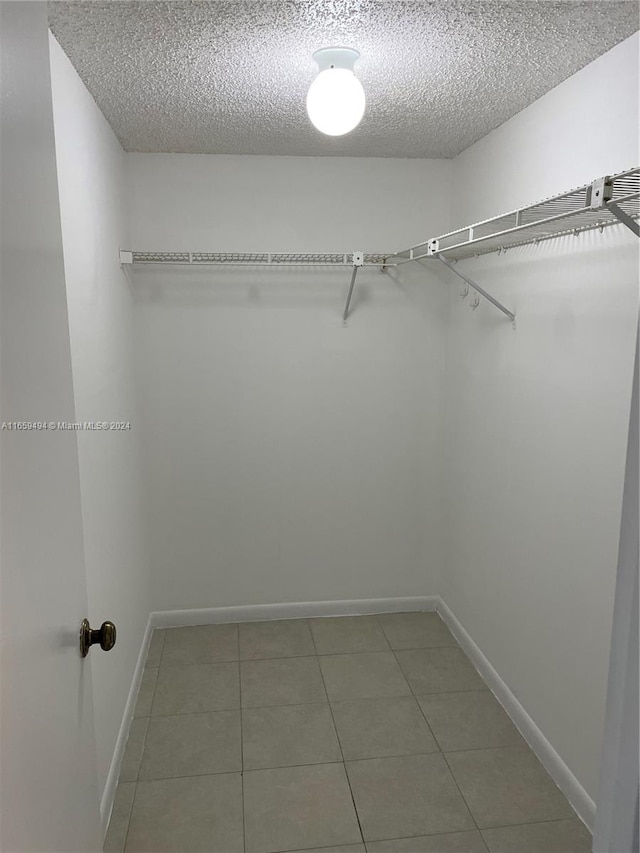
x,y
232,77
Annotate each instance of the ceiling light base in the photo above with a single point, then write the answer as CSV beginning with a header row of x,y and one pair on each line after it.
x,y
336,57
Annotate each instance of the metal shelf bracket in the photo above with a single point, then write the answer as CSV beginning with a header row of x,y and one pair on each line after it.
x,y
358,261
627,220
600,196
479,290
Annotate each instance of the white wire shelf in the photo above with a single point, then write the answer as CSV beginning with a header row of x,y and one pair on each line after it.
x,y
606,201
253,259
571,212
587,207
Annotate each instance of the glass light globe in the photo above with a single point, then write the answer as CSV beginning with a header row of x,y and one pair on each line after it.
x,y
336,101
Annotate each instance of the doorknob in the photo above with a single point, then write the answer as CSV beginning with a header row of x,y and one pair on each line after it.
x,y
105,635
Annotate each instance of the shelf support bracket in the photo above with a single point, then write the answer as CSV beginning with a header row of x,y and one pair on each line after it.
x,y
479,289
624,217
358,261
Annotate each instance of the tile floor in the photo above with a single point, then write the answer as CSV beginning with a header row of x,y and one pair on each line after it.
x,y
368,734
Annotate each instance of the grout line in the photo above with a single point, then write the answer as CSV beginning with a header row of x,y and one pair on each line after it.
x,y
182,664
156,671
133,802
192,713
455,781
456,692
398,755
191,776
275,767
235,708
388,649
335,728
523,745
425,648
327,847
328,702
424,835
163,644
341,761
460,790
298,657
317,702
287,766
573,819
482,840
244,826
381,626
144,744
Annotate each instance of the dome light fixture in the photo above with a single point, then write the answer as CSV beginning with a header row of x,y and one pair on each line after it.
x,y
336,99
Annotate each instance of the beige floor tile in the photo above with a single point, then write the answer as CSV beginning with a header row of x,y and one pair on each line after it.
x,y
285,681
452,842
146,691
363,676
345,634
155,647
374,728
469,720
199,814
295,808
289,735
200,644
186,745
439,670
196,688
192,745
507,786
560,836
279,639
416,630
119,822
133,750
410,796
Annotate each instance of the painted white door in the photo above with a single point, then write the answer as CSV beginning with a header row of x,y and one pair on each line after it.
x,y
48,786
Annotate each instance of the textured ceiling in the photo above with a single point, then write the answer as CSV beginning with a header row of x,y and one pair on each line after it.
x,y
232,77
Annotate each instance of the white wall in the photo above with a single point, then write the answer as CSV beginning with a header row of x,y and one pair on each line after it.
x,y
289,458
94,212
537,418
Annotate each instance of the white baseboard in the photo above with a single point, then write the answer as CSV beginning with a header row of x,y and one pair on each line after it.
x,y
108,795
291,610
581,802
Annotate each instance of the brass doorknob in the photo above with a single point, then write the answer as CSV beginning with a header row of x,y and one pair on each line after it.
x,y
105,635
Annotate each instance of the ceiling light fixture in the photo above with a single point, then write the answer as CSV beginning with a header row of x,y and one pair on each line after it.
x,y
336,99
